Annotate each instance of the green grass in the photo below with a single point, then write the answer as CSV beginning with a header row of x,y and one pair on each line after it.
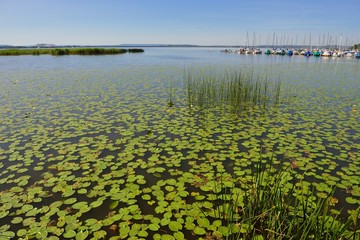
x,y
67,51
272,207
234,91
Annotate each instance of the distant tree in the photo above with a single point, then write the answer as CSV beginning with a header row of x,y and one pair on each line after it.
x,y
356,46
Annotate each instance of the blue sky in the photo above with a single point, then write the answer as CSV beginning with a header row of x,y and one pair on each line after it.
x,y
210,22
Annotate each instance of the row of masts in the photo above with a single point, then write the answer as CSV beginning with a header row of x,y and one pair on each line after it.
x,y
308,41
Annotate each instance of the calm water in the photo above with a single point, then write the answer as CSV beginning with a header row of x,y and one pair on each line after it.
x,y
61,115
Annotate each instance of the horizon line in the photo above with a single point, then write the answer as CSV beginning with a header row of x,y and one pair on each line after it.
x,y
50,45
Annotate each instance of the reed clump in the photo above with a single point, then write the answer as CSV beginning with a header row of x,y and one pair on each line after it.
x,y
67,51
235,91
271,207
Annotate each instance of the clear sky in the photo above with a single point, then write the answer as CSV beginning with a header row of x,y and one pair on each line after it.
x,y
202,22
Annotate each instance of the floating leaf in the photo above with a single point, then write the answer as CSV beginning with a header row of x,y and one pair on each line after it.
x,y
179,236
82,191
90,221
203,222
42,233
175,226
21,232
114,204
166,237
97,203
17,220
142,233
79,205
199,230
69,234
154,227
4,214
351,200
100,234
70,201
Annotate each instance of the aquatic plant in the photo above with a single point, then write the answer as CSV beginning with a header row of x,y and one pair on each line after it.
x,y
135,50
59,52
271,207
95,154
67,51
95,51
235,91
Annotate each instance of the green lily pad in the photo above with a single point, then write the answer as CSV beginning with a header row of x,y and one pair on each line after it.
x,y
96,203
203,222
70,201
79,205
143,233
114,204
154,227
351,200
179,236
82,235
21,232
100,234
175,226
69,234
166,237
4,214
17,220
199,230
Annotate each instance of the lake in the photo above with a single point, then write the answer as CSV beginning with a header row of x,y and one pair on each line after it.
x,y
90,146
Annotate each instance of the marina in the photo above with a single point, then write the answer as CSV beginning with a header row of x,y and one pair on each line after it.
x,y
293,51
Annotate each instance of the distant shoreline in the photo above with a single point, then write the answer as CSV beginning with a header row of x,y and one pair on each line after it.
x,y
51,46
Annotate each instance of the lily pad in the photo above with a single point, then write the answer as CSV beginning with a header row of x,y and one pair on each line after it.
x,y
175,226
69,234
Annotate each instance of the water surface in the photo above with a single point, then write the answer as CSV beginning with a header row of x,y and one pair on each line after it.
x,y
99,130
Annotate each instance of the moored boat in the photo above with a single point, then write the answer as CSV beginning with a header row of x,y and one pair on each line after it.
x,y
268,52
257,51
338,54
326,53
349,53
316,54
249,51
281,52
307,54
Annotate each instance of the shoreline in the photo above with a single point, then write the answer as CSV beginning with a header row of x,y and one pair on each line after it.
x,y
67,51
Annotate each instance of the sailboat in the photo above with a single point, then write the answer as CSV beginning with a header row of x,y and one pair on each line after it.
x,y
326,53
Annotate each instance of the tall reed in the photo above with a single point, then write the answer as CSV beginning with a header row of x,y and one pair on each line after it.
x,y
234,91
67,51
271,207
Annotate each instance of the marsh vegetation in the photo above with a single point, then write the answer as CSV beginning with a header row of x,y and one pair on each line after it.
x,y
67,51
234,91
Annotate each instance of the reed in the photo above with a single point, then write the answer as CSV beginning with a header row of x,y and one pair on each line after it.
x,y
67,51
171,93
273,208
235,91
